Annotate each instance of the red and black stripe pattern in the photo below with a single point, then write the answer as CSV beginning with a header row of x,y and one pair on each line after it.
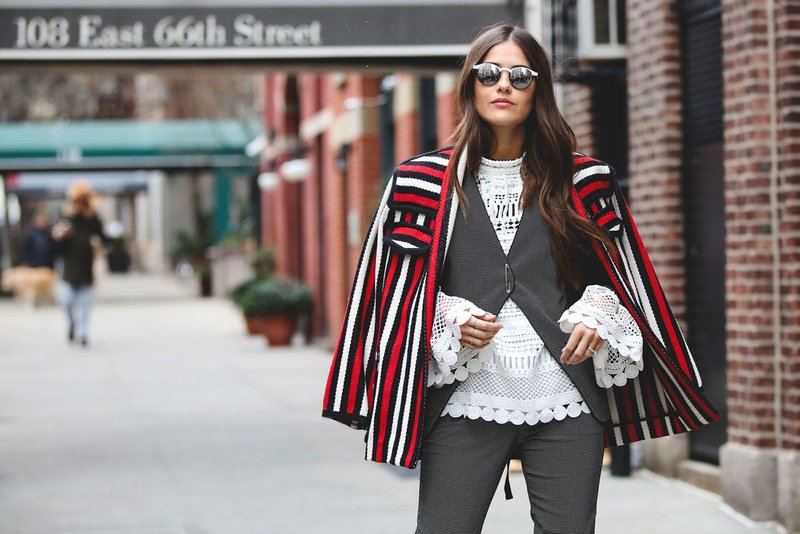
x,y
378,373
383,346
665,398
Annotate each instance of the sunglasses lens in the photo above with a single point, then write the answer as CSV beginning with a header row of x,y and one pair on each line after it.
x,y
488,74
520,78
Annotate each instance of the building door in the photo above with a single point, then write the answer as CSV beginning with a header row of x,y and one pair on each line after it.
x,y
703,202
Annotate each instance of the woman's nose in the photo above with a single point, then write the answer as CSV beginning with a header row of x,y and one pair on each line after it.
x,y
504,84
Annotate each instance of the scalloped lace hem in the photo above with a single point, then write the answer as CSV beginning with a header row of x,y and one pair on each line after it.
x,y
619,358
516,417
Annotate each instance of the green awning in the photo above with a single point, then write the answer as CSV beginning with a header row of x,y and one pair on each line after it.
x,y
126,145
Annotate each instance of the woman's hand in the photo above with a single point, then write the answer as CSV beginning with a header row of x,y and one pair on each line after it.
x,y
580,341
61,230
479,331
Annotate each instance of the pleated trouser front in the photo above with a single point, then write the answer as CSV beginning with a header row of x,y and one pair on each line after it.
x,y
462,462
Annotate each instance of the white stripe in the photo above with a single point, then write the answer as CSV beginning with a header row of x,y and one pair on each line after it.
x,y
682,392
619,274
589,171
612,406
460,172
388,325
377,226
357,292
666,405
617,226
404,181
403,243
407,383
637,385
691,358
644,301
436,160
618,435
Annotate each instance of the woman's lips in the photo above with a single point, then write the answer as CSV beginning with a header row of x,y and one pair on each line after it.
x,y
502,102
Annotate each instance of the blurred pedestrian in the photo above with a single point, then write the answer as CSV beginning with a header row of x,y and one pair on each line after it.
x,y
491,316
33,281
38,248
79,235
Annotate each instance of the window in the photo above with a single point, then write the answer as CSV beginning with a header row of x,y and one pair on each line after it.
x,y
601,29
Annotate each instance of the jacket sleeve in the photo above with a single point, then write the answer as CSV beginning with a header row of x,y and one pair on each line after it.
x,y
349,386
641,288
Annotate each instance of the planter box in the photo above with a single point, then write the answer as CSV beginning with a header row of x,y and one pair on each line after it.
x,y
278,329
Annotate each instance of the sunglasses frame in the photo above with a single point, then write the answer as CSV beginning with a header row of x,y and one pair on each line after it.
x,y
500,74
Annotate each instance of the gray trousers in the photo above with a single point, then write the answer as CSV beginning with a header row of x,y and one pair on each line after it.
x,y
462,461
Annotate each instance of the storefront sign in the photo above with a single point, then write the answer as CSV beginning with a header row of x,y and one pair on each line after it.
x,y
434,28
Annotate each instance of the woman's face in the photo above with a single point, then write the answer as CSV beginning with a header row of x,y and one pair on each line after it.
x,y
501,105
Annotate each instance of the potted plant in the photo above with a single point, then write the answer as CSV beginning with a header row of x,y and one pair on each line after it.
x,y
237,295
273,306
194,250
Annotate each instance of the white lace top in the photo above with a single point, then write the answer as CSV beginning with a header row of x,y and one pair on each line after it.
x,y
515,378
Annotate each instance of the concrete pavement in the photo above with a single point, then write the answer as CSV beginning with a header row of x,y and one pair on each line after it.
x,y
174,422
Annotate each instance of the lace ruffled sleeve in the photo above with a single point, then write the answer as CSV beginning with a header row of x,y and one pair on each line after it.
x,y
451,361
620,357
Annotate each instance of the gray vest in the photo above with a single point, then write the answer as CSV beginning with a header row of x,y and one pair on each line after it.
x,y
477,269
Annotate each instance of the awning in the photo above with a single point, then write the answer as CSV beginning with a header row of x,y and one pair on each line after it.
x,y
55,184
107,145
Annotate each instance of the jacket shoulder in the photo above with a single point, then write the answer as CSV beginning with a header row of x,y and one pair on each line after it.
x,y
593,178
442,154
417,182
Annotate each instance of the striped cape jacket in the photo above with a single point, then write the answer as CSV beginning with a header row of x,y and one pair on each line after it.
x,y
378,376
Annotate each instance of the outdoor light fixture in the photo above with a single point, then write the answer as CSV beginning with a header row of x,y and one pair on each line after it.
x,y
256,146
296,170
268,181
355,102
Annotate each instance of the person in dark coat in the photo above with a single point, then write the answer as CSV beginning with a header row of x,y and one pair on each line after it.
x,y
38,247
78,235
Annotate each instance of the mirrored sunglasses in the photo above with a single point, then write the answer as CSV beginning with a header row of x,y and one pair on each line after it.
x,y
489,74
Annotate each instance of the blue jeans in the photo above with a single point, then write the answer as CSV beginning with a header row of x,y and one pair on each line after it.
x,y
78,302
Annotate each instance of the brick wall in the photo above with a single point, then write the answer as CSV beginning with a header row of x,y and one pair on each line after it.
x,y
312,273
787,22
750,321
654,99
753,171
576,106
354,192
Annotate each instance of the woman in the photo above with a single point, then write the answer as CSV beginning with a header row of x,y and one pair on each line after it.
x,y
77,238
501,314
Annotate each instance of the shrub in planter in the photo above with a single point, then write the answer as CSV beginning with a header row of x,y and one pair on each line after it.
x,y
262,262
237,294
239,291
273,305
194,249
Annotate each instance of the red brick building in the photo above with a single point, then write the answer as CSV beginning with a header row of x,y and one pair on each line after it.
x,y
338,123
713,88
695,104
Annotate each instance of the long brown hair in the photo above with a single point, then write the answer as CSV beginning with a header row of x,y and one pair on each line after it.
x,y
549,144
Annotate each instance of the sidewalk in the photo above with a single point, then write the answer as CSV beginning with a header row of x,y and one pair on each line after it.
x,y
174,422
